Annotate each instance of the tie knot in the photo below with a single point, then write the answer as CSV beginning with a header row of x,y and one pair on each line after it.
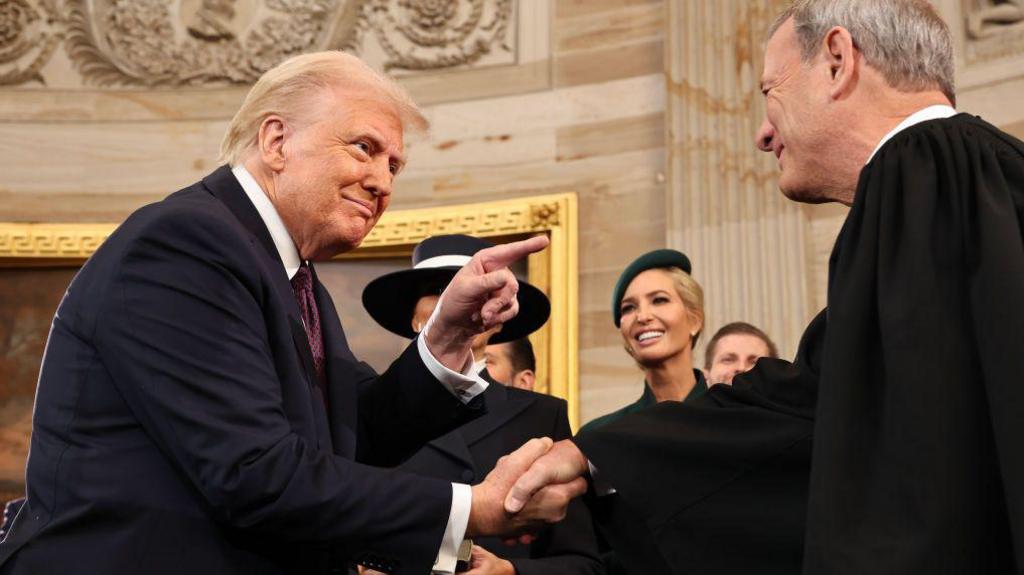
x,y
303,279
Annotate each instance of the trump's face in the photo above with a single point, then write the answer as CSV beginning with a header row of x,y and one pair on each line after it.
x,y
796,128
336,173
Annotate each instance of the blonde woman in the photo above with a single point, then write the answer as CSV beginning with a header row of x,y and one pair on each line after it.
x,y
659,309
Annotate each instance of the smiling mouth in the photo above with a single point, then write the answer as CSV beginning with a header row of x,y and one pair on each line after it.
x,y
365,208
649,337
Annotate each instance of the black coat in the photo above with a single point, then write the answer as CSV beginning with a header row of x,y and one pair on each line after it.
x,y
177,429
468,454
918,455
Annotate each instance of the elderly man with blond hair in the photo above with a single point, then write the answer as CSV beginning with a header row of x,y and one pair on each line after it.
x,y
199,409
917,464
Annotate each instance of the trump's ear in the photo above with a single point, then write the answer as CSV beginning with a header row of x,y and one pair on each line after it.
x,y
270,142
841,56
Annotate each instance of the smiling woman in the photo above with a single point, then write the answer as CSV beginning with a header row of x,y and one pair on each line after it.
x,y
659,309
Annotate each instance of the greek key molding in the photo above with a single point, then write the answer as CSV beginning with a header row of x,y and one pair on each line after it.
x,y
43,241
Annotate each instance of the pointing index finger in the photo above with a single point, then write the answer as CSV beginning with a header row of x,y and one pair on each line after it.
x,y
503,255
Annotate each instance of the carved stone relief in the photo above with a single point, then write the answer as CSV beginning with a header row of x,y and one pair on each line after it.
x,y
993,16
994,29
28,38
200,42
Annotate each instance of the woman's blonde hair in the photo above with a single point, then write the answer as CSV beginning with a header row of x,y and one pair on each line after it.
x,y
291,90
693,299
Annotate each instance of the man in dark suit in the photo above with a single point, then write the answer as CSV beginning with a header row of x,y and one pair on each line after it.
x,y
198,408
399,302
512,363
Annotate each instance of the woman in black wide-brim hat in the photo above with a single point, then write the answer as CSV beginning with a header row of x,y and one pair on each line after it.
x,y
402,301
659,310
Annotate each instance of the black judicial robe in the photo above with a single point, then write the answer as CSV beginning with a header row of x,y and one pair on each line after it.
x,y
918,460
717,485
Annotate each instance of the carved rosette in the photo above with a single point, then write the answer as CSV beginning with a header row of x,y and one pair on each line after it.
x,y
217,42
153,43
27,39
432,34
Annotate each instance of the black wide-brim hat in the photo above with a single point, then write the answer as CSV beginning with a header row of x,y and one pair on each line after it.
x,y
391,298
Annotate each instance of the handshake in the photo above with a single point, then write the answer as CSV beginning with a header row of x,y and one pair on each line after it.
x,y
528,489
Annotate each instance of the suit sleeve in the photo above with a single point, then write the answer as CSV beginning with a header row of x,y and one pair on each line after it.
x,y
187,347
569,546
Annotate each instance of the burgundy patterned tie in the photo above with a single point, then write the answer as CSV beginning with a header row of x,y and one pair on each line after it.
x,y
302,284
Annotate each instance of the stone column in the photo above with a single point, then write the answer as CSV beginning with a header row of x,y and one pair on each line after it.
x,y
724,210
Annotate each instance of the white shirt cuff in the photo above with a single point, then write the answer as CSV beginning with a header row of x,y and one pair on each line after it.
x,y
601,488
455,530
465,385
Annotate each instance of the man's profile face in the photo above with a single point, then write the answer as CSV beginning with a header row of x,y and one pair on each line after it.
x,y
499,363
795,126
735,354
338,172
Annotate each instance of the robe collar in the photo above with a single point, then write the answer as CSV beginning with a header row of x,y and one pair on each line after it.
x,y
935,112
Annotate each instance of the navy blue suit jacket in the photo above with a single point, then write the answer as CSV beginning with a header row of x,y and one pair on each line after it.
x,y
177,428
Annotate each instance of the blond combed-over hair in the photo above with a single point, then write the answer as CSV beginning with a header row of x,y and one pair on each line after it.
x,y
292,88
905,40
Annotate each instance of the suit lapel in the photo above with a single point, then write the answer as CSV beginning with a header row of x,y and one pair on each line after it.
x,y
223,185
454,445
342,392
500,409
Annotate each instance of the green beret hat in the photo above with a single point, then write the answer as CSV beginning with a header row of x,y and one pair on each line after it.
x,y
663,258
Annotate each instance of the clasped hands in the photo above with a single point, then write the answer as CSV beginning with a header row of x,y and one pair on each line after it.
x,y
528,489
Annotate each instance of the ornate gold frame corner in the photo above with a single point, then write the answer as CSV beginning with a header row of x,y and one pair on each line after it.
x,y
554,270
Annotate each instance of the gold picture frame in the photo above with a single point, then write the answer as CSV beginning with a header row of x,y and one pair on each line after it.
x,y
554,270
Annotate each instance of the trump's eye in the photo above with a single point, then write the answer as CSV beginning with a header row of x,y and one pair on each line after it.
x,y
394,167
364,146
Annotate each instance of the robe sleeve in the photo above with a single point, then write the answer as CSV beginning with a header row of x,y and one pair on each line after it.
x,y
728,471
918,466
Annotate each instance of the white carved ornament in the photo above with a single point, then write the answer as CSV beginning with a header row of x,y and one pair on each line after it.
x,y
199,42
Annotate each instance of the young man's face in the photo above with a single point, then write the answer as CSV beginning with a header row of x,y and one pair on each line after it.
x,y
734,354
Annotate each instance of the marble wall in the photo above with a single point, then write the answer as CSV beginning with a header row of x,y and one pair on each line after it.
x,y
645,108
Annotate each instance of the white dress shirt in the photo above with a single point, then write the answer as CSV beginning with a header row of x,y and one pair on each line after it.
x,y
464,385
